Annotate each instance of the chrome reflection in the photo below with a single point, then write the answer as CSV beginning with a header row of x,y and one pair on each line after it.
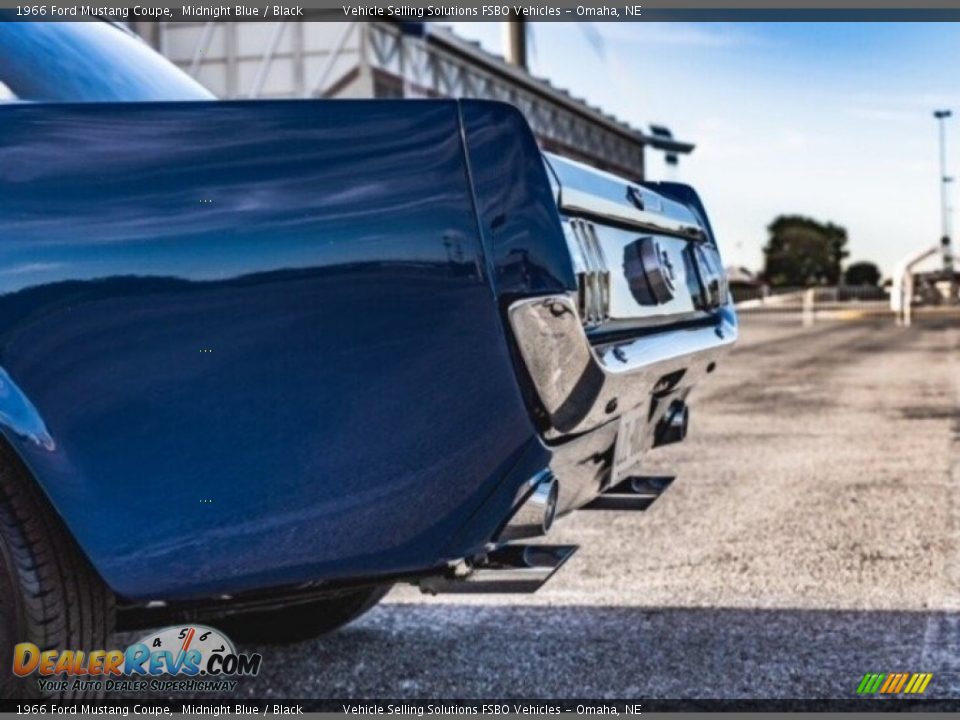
x,y
20,416
593,273
537,510
581,386
506,569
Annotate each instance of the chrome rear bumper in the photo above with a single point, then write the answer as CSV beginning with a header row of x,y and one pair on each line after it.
x,y
581,386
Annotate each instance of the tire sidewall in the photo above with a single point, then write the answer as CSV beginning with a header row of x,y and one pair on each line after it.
x,y
13,626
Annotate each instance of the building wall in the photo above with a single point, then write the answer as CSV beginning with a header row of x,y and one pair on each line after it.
x,y
232,54
364,59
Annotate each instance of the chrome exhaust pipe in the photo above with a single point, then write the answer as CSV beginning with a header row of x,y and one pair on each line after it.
x,y
506,566
634,493
537,511
506,569
673,427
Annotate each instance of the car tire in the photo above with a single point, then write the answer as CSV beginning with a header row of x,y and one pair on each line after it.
x,y
303,621
49,593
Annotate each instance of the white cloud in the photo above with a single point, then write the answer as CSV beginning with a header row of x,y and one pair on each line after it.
x,y
28,268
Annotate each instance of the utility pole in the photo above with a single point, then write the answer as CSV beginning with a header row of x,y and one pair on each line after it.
x,y
946,248
515,41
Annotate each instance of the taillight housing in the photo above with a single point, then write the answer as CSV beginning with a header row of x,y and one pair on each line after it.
x,y
593,273
714,290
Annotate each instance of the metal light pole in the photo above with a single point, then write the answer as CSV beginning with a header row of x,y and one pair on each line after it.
x,y
945,240
515,41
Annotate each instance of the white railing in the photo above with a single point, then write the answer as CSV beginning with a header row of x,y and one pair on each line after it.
x,y
808,305
846,302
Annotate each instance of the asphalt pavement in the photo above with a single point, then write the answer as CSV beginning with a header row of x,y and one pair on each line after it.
x,y
812,535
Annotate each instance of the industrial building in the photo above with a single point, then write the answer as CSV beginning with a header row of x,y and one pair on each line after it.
x,y
385,59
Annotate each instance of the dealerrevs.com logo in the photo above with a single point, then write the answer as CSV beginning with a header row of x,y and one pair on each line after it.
x,y
191,658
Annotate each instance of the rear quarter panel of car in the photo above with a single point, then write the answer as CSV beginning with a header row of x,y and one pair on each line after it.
x,y
247,345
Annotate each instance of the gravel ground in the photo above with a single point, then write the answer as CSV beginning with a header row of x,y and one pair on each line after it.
x,y
811,536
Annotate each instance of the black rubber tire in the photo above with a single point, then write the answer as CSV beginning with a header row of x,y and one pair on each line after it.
x,y
49,594
303,621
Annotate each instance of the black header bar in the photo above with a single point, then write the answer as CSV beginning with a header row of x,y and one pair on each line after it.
x,y
478,11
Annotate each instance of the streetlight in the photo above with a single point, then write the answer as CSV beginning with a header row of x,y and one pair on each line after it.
x,y
945,248
515,41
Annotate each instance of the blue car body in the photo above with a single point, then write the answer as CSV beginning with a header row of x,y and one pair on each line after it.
x,y
249,345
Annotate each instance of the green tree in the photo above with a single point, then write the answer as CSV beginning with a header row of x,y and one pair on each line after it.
x,y
862,273
802,251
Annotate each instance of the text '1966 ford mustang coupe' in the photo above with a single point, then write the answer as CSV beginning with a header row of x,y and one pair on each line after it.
x,y
261,360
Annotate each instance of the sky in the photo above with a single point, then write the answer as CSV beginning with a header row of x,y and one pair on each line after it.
x,y
829,120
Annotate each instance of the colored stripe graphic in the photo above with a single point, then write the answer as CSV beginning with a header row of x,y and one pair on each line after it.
x,y
914,682
870,683
889,682
894,683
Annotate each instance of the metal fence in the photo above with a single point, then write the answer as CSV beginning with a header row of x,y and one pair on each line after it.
x,y
845,302
808,305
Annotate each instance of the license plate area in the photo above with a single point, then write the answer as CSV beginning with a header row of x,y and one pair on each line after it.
x,y
633,440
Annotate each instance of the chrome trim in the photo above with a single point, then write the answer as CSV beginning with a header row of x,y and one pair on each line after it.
x,y
505,569
635,493
583,465
647,279
536,511
714,288
581,386
593,273
603,277
673,427
577,201
657,270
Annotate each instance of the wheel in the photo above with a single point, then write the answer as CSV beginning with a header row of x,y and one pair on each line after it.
x,y
49,594
303,621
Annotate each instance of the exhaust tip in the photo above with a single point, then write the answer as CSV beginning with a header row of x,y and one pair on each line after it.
x,y
508,569
673,427
549,492
536,513
635,493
